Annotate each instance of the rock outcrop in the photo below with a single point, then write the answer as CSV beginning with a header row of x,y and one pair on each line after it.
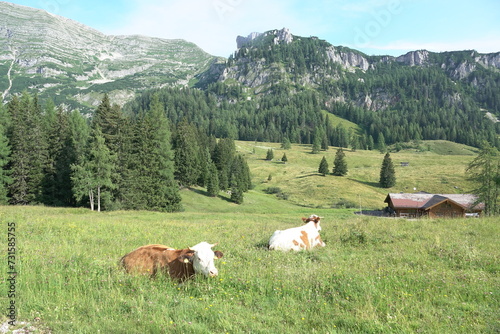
x,y
414,58
67,59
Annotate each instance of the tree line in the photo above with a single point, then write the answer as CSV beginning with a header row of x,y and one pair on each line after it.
x,y
113,160
430,102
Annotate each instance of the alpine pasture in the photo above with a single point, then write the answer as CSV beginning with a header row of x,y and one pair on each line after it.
x,y
375,275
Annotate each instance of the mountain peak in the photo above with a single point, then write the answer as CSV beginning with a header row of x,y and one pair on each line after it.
x,y
277,36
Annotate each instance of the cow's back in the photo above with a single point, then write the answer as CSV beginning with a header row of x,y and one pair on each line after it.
x,y
296,239
285,240
147,259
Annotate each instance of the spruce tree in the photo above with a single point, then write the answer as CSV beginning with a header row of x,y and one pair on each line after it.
x,y
382,147
284,158
150,177
286,145
484,172
323,167
339,164
28,150
187,154
79,139
387,173
112,124
213,181
236,191
57,183
270,155
316,146
223,159
5,179
92,176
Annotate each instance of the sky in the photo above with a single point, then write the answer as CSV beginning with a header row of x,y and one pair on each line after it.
x,y
375,27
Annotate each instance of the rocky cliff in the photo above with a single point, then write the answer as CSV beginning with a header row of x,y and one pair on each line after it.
x,y
75,64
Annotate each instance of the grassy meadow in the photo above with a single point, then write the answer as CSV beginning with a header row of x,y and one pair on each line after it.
x,y
375,275
438,167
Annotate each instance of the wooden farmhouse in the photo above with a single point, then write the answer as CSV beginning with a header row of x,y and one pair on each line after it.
x,y
422,204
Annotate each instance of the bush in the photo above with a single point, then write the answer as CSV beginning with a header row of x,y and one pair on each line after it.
x,y
277,191
273,190
354,237
344,204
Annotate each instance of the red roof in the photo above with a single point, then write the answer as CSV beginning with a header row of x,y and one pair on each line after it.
x,y
422,200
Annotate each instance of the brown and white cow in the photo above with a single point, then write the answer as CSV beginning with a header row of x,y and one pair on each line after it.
x,y
304,237
180,264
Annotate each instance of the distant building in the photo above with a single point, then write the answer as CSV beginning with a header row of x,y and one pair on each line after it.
x,y
422,204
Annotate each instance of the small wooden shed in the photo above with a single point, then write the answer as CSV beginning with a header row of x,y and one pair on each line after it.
x,y
422,204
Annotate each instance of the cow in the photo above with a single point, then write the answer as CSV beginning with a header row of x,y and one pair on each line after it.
x,y
304,237
180,264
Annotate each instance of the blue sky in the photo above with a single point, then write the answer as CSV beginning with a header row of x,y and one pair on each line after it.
x,y
376,27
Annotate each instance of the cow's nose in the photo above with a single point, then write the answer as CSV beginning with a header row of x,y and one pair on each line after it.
x,y
213,273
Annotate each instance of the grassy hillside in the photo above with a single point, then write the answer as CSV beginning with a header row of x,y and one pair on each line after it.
x,y
436,167
375,275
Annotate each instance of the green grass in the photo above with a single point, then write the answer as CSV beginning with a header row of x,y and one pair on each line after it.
x,y
374,276
428,171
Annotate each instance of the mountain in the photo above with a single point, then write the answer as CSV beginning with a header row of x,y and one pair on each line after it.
x,y
275,86
420,95
74,64
262,58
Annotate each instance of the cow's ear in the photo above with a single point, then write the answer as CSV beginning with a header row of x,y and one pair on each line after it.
x,y
186,258
218,254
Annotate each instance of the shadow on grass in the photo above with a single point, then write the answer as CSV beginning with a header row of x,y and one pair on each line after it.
x,y
309,175
367,183
205,193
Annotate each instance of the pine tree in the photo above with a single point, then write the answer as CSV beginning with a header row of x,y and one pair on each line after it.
x,y
28,150
382,147
270,155
284,158
150,177
286,145
92,177
323,167
316,146
111,122
484,172
79,138
339,164
387,173
370,143
187,154
223,159
213,181
236,191
57,183
5,179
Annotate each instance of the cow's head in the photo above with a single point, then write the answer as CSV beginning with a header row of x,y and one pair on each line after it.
x,y
315,219
202,257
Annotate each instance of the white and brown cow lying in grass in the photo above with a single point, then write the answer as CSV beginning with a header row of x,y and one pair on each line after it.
x,y
180,264
298,238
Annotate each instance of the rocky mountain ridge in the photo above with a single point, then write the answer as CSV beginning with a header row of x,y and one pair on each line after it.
x,y
75,64
352,60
